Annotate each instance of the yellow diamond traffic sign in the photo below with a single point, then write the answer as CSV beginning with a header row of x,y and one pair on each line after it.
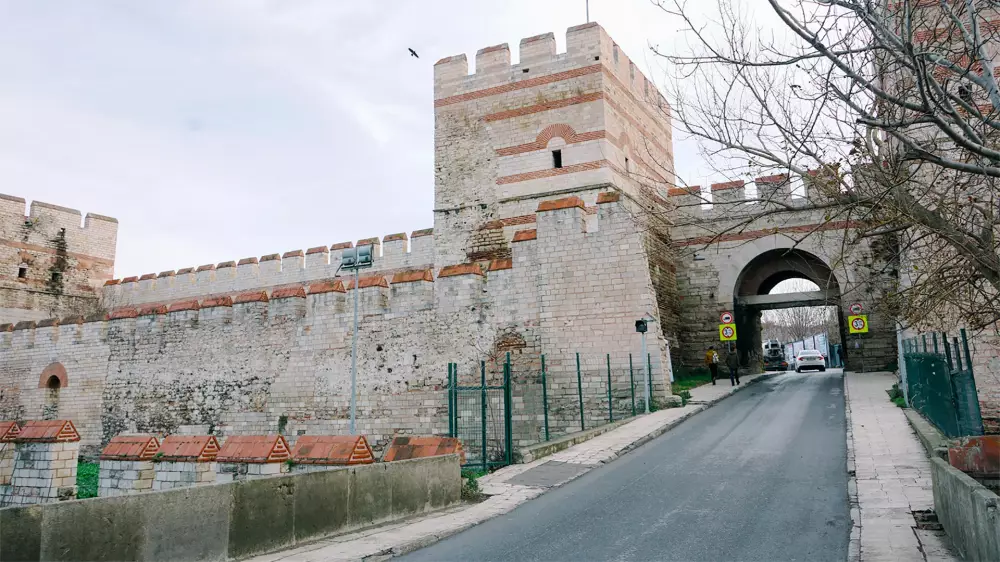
x,y
858,324
727,332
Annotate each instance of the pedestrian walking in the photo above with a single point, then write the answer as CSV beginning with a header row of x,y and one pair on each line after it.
x,y
840,355
712,360
733,362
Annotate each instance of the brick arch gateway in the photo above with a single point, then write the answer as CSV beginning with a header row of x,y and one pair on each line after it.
x,y
751,294
731,252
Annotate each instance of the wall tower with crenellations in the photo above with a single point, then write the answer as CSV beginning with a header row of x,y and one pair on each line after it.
x,y
52,266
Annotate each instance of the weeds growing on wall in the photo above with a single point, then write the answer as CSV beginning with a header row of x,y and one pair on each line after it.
x,y
87,475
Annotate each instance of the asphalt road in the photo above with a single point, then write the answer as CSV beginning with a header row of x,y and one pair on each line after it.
x,y
760,476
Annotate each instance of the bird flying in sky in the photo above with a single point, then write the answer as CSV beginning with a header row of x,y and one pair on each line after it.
x,y
413,53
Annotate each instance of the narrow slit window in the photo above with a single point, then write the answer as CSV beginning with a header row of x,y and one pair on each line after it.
x,y
22,272
627,169
557,159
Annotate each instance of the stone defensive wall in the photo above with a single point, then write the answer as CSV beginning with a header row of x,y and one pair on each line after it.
x,y
257,359
392,253
52,264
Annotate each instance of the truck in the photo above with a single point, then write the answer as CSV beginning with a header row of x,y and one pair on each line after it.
x,y
774,356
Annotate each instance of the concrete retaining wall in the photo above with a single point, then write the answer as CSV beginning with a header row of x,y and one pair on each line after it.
x,y
969,512
231,520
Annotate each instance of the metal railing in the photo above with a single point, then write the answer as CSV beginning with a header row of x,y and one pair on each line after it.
x,y
940,383
537,398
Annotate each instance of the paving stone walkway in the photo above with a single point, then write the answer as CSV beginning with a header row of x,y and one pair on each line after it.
x,y
893,478
507,488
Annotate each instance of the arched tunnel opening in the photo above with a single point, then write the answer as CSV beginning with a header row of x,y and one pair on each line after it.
x,y
786,301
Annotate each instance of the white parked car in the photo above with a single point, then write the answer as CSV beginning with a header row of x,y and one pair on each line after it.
x,y
809,359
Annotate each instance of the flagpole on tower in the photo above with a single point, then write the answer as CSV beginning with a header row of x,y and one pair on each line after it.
x,y
588,10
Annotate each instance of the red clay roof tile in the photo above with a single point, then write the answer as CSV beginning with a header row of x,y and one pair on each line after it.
x,y
188,448
332,449
403,448
47,431
254,449
130,448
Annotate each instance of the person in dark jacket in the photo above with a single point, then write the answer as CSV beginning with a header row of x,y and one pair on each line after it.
x,y
733,362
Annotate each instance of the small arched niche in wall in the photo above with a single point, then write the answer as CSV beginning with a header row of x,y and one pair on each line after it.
x,y
53,379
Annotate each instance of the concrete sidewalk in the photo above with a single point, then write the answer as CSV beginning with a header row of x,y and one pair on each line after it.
x,y
508,487
892,477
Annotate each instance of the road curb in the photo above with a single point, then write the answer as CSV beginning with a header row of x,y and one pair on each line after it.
x,y
854,541
408,546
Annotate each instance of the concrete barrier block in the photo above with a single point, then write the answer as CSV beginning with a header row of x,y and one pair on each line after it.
x,y
109,529
187,524
321,500
262,517
969,512
370,500
21,533
408,487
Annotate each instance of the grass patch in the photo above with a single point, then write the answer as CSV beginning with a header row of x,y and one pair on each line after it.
x,y
896,396
86,479
687,378
470,485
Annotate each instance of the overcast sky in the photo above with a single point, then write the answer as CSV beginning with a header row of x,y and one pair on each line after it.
x,y
221,129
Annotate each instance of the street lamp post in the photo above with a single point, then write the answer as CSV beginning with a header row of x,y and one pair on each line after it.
x,y
355,259
641,327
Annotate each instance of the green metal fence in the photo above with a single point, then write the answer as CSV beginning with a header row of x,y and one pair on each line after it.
x,y
940,383
529,399
480,415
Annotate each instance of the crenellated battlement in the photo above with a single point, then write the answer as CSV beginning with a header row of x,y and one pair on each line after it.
x,y
737,198
415,287
43,222
52,263
55,215
392,252
589,49
194,292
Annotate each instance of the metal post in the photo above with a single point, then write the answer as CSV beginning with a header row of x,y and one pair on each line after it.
x,y
482,403
579,392
451,403
649,375
611,413
545,400
971,398
645,370
508,424
924,338
631,382
902,364
588,10
354,356
934,340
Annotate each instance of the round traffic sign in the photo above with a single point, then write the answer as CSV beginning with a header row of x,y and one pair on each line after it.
x,y
858,323
856,308
727,317
727,332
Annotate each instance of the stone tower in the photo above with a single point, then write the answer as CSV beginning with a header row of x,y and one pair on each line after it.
x,y
52,267
507,136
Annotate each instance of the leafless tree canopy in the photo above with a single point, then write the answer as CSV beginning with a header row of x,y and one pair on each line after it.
x,y
894,103
793,324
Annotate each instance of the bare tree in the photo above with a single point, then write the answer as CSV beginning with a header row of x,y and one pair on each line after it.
x,y
891,106
796,323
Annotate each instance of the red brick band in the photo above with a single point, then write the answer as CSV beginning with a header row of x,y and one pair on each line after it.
x,y
523,84
755,234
